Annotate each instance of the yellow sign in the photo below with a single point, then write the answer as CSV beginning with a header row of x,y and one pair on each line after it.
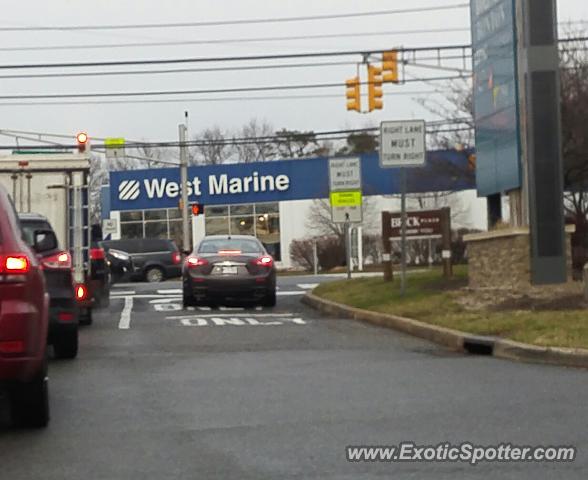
x,y
350,198
114,142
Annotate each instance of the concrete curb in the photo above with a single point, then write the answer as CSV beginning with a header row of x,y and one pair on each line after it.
x,y
454,339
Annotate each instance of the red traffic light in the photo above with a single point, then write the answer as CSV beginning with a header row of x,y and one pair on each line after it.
x,y
82,139
197,209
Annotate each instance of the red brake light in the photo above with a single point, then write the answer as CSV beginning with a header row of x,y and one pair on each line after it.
x,y
229,252
15,264
176,258
264,261
196,262
81,292
97,254
61,260
8,347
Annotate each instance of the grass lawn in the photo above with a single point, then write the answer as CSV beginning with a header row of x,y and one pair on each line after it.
x,y
431,299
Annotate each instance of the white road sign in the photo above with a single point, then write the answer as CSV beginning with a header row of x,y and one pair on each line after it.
x,y
109,226
344,174
402,144
347,214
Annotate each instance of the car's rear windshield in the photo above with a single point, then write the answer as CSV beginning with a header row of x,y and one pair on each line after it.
x,y
28,228
218,245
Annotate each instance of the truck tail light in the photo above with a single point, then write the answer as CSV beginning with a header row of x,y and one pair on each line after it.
x,y
194,262
97,254
59,261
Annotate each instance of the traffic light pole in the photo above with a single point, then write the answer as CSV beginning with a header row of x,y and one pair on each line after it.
x,y
184,182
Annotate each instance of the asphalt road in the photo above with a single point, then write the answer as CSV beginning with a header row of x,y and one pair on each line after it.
x,y
161,393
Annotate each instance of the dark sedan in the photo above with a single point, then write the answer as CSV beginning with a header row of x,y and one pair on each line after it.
x,y
227,269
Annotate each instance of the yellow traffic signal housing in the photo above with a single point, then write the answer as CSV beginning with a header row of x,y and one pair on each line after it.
x,y
353,94
390,66
374,88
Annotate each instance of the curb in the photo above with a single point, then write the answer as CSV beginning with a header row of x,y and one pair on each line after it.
x,y
455,339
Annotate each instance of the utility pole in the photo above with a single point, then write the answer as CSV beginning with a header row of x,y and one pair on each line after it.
x,y
184,183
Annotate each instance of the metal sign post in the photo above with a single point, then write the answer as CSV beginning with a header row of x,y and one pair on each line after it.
x,y
403,232
402,144
345,196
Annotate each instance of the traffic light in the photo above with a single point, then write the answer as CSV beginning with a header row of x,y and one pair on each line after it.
x,y
390,66
82,140
197,209
353,94
374,88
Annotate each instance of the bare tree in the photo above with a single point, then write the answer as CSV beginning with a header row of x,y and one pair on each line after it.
x,y
256,146
213,147
295,144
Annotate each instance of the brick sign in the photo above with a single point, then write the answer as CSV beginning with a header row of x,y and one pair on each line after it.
x,y
426,223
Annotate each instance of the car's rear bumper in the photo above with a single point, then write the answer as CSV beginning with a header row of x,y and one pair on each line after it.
x,y
228,288
63,317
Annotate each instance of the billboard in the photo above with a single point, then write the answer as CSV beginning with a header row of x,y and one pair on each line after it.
x,y
445,170
495,96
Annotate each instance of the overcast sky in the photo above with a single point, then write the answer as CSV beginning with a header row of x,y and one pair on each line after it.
x,y
158,121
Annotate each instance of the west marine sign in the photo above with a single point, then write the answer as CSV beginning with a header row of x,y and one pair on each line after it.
x,y
279,181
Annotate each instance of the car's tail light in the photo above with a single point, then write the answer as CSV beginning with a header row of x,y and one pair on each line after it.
x,y
60,261
8,347
176,258
264,261
15,264
97,254
193,262
229,252
14,267
65,316
81,292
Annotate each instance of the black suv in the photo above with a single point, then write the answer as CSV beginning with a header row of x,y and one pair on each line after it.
x,y
154,259
57,267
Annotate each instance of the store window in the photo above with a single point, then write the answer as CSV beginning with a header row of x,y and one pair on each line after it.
x,y
261,220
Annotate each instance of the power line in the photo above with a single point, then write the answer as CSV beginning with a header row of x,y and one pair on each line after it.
x,y
319,136
204,100
232,40
178,70
278,56
204,91
245,21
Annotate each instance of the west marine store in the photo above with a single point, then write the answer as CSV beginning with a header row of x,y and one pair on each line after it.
x,y
270,200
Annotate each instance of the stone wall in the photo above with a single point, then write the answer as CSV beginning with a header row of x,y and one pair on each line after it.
x,y
501,259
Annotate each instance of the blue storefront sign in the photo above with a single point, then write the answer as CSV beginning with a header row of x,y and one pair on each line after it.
x,y
495,96
445,170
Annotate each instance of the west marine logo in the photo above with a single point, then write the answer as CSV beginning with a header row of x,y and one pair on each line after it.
x,y
129,190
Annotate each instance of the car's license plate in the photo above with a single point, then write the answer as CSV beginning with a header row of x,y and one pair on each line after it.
x,y
229,270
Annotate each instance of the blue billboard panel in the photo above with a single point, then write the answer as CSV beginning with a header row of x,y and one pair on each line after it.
x,y
445,170
495,96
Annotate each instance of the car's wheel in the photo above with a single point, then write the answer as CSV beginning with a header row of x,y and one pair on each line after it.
x,y
86,316
154,274
66,345
270,299
30,402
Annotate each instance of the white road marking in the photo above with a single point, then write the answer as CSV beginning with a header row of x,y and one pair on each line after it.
x,y
163,300
307,286
233,321
231,309
170,290
167,307
256,315
204,309
288,294
122,292
147,296
125,316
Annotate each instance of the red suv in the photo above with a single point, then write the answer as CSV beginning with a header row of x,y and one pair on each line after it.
x,y
24,316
